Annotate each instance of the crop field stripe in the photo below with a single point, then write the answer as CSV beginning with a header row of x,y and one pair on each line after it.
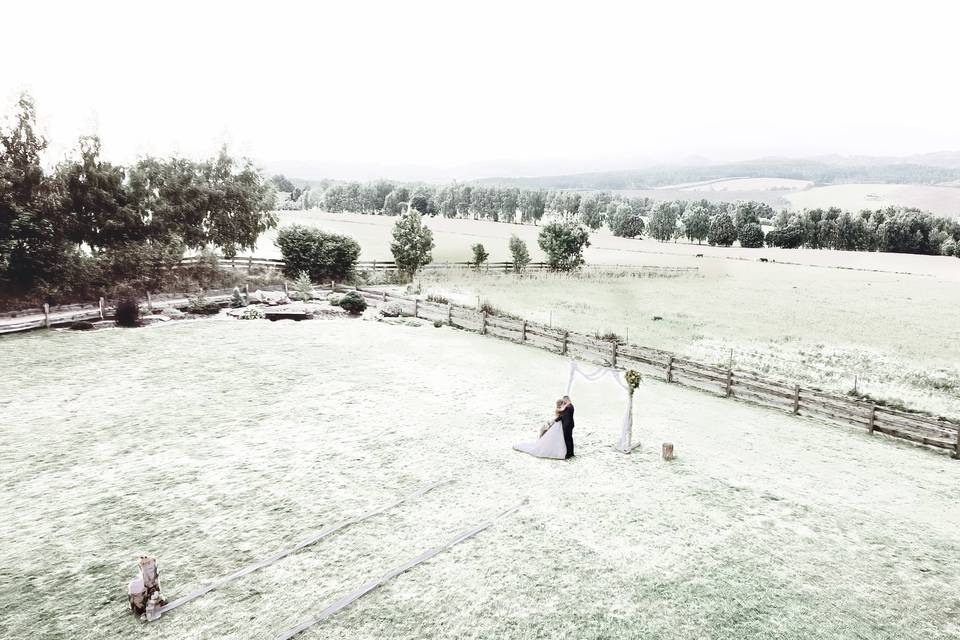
x,y
346,600
323,533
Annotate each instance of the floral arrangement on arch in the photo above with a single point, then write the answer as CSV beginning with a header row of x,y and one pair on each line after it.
x,y
633,379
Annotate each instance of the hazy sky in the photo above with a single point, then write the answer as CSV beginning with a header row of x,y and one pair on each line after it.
x,y
463,89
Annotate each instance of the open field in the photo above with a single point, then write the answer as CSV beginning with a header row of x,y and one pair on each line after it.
x,y
782,193
213,443
819,327
944,201
453,238
744,184
890,320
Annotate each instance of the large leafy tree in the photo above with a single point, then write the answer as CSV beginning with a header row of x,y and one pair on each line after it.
x,y
218,202
591,211
412,244
532,205
624,223
696,220
98,207
663,220
722,230
564,242
34,248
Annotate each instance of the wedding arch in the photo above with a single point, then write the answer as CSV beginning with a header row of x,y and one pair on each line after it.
x,y
625,445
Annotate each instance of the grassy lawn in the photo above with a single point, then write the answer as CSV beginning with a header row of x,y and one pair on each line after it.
x,y
212,443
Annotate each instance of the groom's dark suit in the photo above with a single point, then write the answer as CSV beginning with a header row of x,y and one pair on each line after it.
x,y
566,420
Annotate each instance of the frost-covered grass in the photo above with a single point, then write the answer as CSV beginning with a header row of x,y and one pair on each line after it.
x,y
212,443
896,333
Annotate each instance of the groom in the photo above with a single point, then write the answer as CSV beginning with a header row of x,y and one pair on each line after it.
x,y
566,420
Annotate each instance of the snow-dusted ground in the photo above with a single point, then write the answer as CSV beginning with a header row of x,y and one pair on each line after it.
x,y
212,443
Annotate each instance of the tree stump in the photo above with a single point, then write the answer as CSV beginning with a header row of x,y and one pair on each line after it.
x,y
143,593
137,596
668,451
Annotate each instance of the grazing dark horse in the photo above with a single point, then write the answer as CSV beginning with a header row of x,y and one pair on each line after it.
x,y
764,260
699,255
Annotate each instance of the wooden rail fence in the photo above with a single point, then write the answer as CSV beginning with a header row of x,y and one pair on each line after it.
x,y
68,314
388,265
939,433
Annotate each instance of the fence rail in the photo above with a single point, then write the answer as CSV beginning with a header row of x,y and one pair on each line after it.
x,y
918,428
389,265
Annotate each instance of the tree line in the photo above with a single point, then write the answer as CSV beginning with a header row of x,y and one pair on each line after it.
x,y
88,225
891,229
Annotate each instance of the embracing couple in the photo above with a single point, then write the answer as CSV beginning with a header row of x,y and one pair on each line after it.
x,y
556,437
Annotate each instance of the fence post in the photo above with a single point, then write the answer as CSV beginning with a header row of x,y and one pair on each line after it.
x,y
416,307
46,314
333,286
523,332
956,448
149,302
483,327
101,307
563,351
246,293
614,354
286,291
450,315
729,382
873,419
249,263
670,369
384,296
796,399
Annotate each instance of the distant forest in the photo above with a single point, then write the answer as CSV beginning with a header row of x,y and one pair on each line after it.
x,y
819,172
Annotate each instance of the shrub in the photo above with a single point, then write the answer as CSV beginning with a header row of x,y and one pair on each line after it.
x,y
609,336
353,303
564,244
412,244
200,305
252,313
236,300
521,257
323,256
334,298
437,299
480,256
391,310
751,236
303,288
128,308
488,307
722,231
437,324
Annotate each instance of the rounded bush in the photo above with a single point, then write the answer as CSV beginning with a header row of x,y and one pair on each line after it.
x,y
128,309
353,303
391,310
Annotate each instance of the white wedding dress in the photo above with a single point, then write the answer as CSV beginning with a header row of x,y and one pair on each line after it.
x,y
549,445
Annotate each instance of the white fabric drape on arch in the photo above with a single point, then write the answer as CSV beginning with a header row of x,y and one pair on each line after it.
x,y
598,373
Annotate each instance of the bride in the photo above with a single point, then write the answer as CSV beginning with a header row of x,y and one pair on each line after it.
x,y
550,444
